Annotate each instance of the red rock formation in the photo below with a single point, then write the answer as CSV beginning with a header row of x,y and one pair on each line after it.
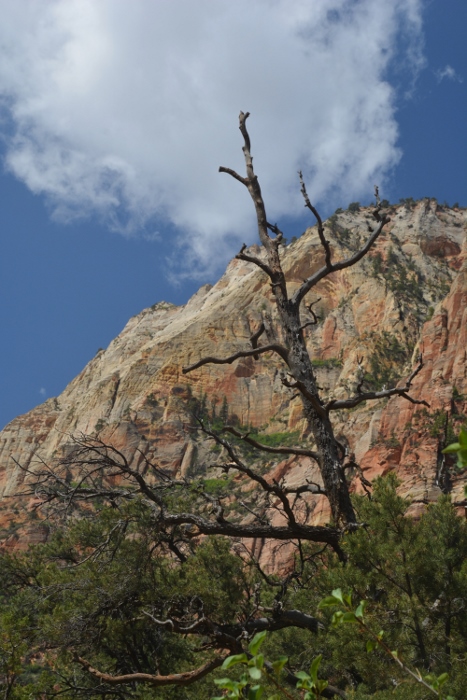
x,y
135,395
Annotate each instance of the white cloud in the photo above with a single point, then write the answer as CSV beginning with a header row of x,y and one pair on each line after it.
x,y
126,110
43,391
449,73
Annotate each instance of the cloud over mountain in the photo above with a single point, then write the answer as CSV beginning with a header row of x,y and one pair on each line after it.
x,y
126,110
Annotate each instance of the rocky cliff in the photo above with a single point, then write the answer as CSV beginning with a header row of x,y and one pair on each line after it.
x,y
409,295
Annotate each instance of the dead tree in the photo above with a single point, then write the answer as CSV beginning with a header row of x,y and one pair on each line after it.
x,y
294,352
179,511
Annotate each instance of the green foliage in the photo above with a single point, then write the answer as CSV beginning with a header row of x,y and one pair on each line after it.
x,y
377,264
346,614
277,439
401,276
459,448
439,424
258,677
340,231
101,423
354,207
409,202
387,360
330,363
224,411
216,487
151,400
88,589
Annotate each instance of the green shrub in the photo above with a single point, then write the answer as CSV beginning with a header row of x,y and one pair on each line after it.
x,y
329,363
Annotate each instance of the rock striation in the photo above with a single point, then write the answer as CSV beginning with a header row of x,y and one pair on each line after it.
x,y
408,296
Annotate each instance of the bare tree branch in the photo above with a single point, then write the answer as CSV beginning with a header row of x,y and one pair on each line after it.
x,y
291,531
235,175
322,238
335,405
251,258
272,347
314,320
313,398
266,448
298,359
185,678
255,337
335,267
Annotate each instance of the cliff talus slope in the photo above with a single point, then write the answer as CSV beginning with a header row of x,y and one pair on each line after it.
x,y
409,295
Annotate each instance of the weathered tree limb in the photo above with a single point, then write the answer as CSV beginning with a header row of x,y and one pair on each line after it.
x,y
322,238
185,678
314,320
266,486
327,269
310,533
272,347
255,337
298,360
265,448
280,619
251,258
115,463
335,405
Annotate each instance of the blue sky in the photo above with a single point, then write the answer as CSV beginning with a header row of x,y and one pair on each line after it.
x,y
115,116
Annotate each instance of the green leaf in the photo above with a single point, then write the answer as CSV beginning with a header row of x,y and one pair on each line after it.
x,y
336,618
337,594
257,660
255,673
256,642
255,692
360,609
302,675
454,447
226,683
314,668
443,678
349,617
321,685
370,645
329,602
463,437
234,660
279,665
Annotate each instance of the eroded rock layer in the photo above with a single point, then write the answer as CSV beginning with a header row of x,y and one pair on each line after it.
x,y
408,296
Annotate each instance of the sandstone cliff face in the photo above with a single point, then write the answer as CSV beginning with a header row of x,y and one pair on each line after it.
x,y
407,296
